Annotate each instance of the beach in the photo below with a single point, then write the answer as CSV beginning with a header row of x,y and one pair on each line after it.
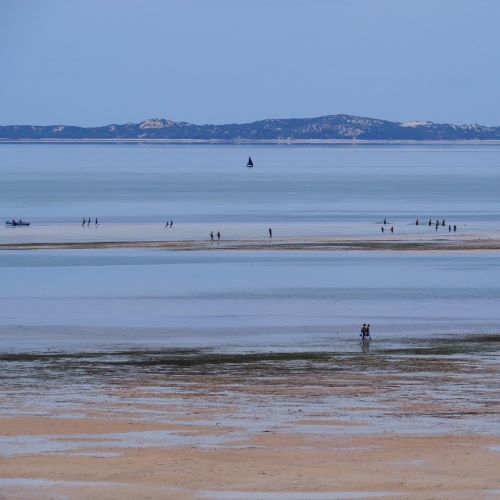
x,y
144,361
201,424
249,250
193,375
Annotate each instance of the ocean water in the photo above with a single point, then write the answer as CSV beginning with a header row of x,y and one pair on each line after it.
x,y
297,190
242,300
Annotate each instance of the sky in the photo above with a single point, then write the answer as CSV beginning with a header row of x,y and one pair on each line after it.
x,y
95,62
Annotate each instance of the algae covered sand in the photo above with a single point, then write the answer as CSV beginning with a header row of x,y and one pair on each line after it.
x,y
121,423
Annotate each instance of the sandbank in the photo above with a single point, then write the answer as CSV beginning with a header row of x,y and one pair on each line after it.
x,y
462,244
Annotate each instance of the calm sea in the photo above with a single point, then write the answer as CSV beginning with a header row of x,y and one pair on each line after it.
x,y
310,300
298,191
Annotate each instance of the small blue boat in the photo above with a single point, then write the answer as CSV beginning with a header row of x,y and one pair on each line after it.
x,y
15,223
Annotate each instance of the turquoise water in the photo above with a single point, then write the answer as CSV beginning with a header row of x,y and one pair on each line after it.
x,y
77,299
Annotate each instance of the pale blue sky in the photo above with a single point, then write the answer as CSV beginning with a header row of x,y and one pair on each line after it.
x,y
93,62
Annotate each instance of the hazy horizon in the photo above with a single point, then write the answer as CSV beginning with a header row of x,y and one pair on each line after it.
x,y
222,123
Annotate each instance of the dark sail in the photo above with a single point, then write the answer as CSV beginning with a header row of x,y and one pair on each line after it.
x,y
250,162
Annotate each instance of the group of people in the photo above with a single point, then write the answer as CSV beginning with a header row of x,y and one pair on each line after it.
x,y
86,222
219,235
365,332
385,223
440,223
437,223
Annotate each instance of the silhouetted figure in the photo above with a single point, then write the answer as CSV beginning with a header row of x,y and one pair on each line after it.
x,y
443,223
270,233
166,224
430,222
416,223
454,228
84,220
218,235
88,222
171,224
382,228
385,220
211,235
96,222
365,332
449,229
392,229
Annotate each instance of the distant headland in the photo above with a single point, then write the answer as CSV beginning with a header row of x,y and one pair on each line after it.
x,y
330,129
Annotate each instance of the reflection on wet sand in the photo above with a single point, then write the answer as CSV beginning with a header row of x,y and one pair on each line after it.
x,y
76,416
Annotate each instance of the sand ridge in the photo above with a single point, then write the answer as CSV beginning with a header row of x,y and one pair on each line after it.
x,y
375,243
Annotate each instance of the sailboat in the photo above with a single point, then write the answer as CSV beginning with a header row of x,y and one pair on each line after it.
x,y
250,162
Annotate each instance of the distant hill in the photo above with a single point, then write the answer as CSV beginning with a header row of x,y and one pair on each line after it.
x,y
323,128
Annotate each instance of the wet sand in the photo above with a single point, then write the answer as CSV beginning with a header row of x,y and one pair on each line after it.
x,y
471,242
416,420
400,467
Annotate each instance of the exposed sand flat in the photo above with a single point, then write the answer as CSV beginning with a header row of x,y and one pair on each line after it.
x,y
195,424
403,467
469,243
53,426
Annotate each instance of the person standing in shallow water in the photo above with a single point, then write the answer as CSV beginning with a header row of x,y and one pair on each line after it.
x,y
211,236
84,220
218,235
382,228
392,229
270,233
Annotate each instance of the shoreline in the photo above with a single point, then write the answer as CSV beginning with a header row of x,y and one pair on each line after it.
x,y
183,424
289,244
282,142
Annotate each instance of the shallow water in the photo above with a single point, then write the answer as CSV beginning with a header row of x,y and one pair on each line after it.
x,y
240,300
298,190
